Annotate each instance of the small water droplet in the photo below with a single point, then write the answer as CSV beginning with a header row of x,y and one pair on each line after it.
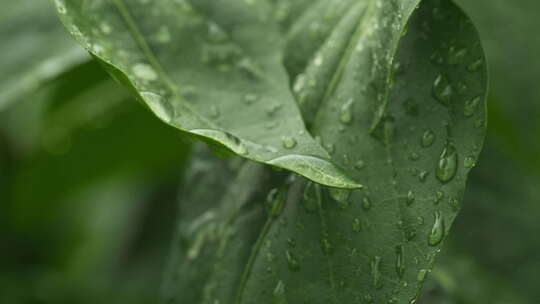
x,y
471,106
366,204
279,296
428,138
360,165
439,195
292,262
422,274
376,272
312,197
437,231
288,142
356,225
423,176
475,65
410,198
442,90
456,56
448,163
341,196
326,246
454,204
346,114
400,260
469,162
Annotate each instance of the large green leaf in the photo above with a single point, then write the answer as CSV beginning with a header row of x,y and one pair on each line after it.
x,y
396,94
34,49
210,68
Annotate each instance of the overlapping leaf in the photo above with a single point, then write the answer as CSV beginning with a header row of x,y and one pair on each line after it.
x,y
396,94
209,68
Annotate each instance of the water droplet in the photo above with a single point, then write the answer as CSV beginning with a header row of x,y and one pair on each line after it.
x,y
428,138
456,56
438,197
291,242
454,204
229,140
279,296
360,165
423,176
341,196
437,231
144,71
356,225
292,262
400,260
376,272
366,204
475,65
288,142
471,106
326,246
422,274
469,162
410,198
448,163
312,197
346,114
442,90
275,201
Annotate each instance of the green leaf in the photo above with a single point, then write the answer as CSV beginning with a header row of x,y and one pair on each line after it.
x,y
34,49
399,101
212,69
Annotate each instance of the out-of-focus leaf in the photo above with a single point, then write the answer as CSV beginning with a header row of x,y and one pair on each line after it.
x,y
34,48
209,68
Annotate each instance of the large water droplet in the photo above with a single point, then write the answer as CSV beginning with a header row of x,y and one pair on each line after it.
x,y
448,163
437,231
442,90
376,272
400,260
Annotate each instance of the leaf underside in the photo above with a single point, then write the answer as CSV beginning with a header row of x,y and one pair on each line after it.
x,y
204,73
394,91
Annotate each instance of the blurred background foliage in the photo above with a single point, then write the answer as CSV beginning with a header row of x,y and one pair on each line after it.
x,y
89,178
